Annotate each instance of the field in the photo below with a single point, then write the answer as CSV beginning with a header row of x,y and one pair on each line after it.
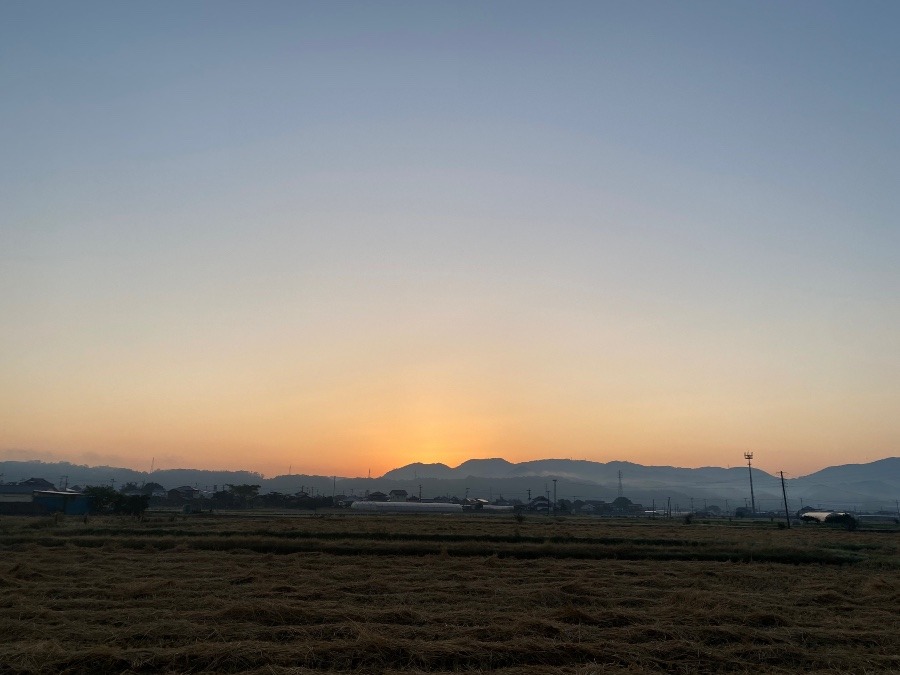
x,y
428,594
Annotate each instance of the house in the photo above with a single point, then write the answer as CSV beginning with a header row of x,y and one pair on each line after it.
x,y
397,495
184,492
541,504
38,484
377,497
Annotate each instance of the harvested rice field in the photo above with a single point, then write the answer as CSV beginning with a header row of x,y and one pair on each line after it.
x,y
441,594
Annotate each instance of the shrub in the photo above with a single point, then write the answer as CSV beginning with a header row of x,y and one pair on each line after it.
x,y
844,519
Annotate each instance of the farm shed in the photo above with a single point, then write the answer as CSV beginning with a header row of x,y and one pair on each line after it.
x,y
70,503
11,493
23,499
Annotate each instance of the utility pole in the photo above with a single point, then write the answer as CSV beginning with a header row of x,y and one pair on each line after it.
x,y
669,507
554,496
787,516
692,504
749,456
529,495
621,491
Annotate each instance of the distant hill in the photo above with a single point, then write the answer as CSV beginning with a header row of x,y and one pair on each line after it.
x,y
877,470
64,473
872,485
576,469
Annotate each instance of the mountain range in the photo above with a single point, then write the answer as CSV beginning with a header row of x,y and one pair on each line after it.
x,y
870,486
849,485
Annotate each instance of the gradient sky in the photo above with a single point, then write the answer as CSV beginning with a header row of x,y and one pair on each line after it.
x,y
346,236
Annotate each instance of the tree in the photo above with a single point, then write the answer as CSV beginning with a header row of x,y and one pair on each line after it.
x,y
106,500
275,500
243,494
102,499
224,499
621,503
133,505
150,488
845,519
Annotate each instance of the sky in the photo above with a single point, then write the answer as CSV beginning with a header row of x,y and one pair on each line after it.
x,y
341,237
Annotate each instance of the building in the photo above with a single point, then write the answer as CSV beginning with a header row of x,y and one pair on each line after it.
x,y
38,484
540,504
184,492
32,497
16,492
53,501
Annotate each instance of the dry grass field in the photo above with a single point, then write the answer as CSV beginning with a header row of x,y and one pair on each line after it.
x,y
429,594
